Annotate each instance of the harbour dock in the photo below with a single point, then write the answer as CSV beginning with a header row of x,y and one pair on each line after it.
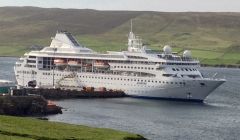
x,y
56,94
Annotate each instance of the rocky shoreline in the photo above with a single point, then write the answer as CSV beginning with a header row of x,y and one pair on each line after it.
x,y
27,106
35,102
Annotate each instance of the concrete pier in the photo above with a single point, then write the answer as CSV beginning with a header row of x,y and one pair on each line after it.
x,y
56,94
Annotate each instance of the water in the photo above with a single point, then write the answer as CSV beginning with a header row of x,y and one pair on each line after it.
x,y
6,68
216,119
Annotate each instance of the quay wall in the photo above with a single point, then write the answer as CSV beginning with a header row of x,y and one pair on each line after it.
x,y
56,94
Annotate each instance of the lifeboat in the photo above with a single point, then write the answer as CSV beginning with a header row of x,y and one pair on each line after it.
x,y
101,64
74,63
87,65
59,62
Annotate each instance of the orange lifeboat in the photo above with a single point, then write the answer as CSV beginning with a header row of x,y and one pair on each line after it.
x,y
88,65
101,64
59,62
74,63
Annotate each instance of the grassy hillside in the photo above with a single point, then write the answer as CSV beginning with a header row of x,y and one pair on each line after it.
x,y
31,129
214,38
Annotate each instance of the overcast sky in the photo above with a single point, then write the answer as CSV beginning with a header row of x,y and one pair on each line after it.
x,y
146,5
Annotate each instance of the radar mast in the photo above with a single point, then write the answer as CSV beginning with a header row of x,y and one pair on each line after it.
x,y
134,42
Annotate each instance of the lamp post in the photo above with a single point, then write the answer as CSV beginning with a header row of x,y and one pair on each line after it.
x,y
54,50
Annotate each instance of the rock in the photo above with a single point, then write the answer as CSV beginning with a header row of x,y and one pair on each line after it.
x,y
26,106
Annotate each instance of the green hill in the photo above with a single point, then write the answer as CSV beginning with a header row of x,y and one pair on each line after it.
x,y
214,38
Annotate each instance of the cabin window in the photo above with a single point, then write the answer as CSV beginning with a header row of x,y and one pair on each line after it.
x,y
202,84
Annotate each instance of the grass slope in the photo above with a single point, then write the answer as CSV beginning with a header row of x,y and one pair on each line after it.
x,y
27,128
214,38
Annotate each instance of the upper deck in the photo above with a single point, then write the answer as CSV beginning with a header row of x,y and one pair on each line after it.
x,y
64,45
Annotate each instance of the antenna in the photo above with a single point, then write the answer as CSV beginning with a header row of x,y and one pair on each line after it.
x,y
131,25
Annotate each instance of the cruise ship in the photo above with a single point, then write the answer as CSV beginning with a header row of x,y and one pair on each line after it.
x,y
138,71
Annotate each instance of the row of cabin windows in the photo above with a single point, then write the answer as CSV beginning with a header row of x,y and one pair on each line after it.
x,y
163,82
180,63
31,61
136,57
134,67
151,63
134,62
30,66
32,56
122,79
183,69
27,72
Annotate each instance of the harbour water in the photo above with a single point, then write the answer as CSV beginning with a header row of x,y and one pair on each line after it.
x,y
218,118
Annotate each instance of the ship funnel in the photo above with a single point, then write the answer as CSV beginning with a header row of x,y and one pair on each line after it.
x,y
64,39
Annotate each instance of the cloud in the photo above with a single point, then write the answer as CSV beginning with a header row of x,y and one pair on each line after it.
x,y
140,5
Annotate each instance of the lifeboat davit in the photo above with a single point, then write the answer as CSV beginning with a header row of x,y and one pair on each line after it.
x,y
101,64
59,62
74,63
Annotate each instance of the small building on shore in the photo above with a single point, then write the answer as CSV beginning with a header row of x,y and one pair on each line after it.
x,y
5,86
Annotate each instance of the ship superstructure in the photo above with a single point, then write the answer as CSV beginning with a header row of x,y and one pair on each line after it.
x,y
139,71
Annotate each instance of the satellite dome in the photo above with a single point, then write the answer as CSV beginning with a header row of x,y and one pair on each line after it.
x,y
167,49
187,54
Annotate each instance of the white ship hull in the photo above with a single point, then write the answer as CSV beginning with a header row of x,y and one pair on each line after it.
x,y
194,93
153,88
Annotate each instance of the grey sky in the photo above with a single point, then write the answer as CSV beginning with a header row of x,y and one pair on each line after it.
x,y
148,5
